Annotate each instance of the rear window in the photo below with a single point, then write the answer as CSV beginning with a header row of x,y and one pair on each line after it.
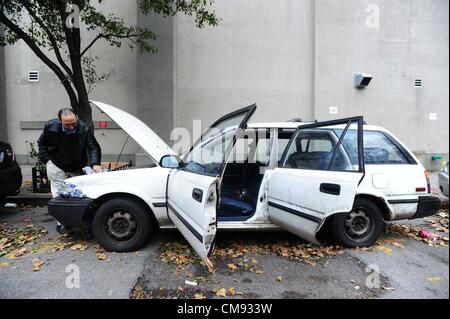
x,y
378,149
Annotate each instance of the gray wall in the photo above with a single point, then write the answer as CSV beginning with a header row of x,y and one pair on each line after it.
x,y
262,52
155,77
294,58
3,130
411,42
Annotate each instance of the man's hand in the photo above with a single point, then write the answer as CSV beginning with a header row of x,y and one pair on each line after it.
x,y
97,169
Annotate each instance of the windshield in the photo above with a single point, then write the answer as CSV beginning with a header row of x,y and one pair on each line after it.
x,y
209,154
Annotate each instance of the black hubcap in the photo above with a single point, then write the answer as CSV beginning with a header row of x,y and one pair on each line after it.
x,y
121,225
358,224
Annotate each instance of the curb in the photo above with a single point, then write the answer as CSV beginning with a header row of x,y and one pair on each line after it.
x,y
27,199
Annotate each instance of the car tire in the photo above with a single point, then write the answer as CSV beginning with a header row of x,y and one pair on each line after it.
x,y
359,228
122,225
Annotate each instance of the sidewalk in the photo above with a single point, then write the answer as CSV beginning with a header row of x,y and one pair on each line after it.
x,y
26,195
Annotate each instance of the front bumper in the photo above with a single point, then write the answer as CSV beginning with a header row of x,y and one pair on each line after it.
x,y
10,180
428,206
71,212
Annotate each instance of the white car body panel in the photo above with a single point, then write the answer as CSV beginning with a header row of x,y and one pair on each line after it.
x,y
147,184
195,220
401,182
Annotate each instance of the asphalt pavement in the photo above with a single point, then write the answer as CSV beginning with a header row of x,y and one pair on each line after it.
x,y
247,265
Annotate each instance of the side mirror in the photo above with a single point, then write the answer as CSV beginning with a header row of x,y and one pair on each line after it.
x,y
170,161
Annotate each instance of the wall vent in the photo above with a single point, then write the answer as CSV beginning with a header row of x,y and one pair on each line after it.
x,y
33,76
418,83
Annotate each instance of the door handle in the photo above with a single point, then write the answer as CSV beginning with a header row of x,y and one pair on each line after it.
x,y
332,189
197,194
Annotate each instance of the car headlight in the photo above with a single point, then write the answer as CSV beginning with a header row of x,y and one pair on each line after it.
x,y
68,190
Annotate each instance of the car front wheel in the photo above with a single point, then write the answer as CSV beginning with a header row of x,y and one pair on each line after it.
x,y
359,228
122,225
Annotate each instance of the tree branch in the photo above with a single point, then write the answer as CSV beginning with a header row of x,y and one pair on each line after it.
x,y
109,35
33,46
50,36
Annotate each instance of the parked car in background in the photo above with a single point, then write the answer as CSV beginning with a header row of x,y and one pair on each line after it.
x,y
10,172
443,180
239,176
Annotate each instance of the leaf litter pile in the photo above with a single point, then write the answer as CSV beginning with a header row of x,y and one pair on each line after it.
x,y
235,254
13,240
438,223
17,242
230,257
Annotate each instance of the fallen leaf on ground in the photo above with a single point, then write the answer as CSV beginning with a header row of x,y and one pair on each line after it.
x,y
434,279
279,278
100,253
199,296
37,264
20,252
387,251
388,288
80,247
232,267
232,291
102,256
3,265
222,292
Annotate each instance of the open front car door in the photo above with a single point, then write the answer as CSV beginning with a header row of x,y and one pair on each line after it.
x,y
193,188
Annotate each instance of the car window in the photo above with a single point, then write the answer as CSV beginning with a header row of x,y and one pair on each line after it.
x,y
318,148
252,146
208,155
284,137
378,149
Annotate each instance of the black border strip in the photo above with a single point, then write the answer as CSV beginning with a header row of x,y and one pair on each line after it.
x,y
188,226
403,201
400,147
359,120
296,212
160,205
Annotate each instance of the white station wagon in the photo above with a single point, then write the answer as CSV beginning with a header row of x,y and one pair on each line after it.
x,y
294,176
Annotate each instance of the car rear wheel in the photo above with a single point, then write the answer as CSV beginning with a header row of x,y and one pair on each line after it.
x,y
359,228
122,224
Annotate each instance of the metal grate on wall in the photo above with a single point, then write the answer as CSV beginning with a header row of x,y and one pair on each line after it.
x,y
33,76
418,83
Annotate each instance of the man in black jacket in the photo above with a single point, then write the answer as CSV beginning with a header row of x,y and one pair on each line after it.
x,y
67,145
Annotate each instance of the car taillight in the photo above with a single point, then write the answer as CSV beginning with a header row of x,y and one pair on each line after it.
x,y
427,176
13,157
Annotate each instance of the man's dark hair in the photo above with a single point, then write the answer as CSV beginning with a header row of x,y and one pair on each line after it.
x,y
65,112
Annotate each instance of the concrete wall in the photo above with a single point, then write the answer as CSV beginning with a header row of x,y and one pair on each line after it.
x,y
294,58
411,42
262,52
155,77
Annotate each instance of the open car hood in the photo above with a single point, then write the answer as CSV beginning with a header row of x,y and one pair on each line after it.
x,y
137,130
